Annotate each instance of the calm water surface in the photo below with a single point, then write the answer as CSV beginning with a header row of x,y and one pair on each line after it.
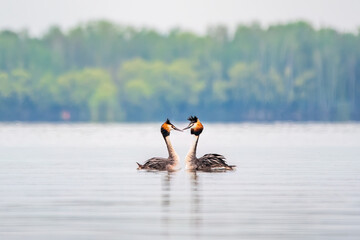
x,y
293,181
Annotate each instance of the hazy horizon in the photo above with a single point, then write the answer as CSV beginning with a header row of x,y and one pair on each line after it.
x,y
38,15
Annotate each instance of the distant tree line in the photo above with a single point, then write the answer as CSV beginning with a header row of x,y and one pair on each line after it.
x,y
101,71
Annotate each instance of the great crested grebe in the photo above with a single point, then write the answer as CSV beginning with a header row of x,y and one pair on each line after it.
x,y
208,162
163,164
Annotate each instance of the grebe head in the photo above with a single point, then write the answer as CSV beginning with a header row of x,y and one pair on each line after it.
x,y
167,127
195,125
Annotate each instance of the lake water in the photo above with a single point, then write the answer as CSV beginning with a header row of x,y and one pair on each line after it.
x,y
293,181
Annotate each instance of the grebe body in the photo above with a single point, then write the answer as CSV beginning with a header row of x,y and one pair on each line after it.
x,y
208,162
159,163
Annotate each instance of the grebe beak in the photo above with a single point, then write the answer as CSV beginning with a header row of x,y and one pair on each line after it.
x,y
190,125
175,128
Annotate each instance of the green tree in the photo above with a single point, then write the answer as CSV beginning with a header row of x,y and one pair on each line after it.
x,y
87,92
153,87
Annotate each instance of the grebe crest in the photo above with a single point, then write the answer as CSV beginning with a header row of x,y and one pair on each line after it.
x,y
195,125
167,127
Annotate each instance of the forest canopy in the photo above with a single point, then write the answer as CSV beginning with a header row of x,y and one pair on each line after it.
x,y
102,71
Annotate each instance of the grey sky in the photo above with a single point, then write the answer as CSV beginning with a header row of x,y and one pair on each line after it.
x,y
194,15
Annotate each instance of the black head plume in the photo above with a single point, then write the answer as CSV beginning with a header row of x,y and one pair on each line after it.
x,y
165,128
193,119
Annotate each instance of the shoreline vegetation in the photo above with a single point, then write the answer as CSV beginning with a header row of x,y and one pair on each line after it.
x,y
105,72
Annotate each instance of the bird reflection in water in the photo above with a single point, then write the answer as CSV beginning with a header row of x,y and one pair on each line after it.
x,y
166,201
194,218
196,215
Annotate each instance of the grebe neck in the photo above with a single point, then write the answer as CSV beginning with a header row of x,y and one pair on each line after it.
x,y
191,156
172,154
